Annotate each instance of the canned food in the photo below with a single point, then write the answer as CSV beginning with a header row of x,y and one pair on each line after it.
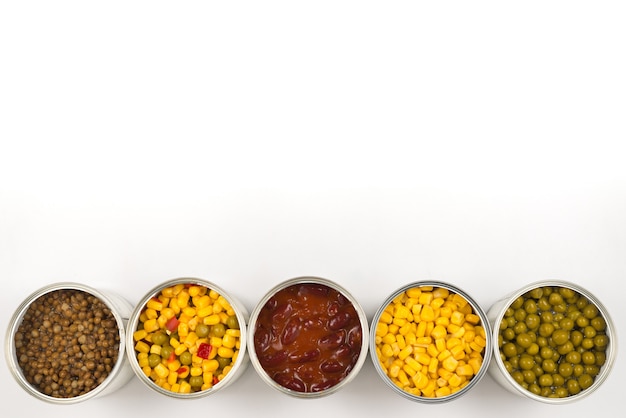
x,y
553,342
186,338
430,342
309,337
64,343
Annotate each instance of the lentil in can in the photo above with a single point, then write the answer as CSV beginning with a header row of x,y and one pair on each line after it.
x,y
64,343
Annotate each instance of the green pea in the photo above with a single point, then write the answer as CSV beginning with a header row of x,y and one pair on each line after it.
x,y
202,330
530,306
509,350
573,357
159,338
589,331
601,341
518,377
518,303
526,362
166,351
592,370
154,360
223,362
576,337
590,311
218,330
185,358
534,388
588,357
520,315
579,369
232,322
533,321
536,293
566,369
196,381
565,348
573,387
598,323
548,366
523,340
566,323
557,379
520,327
559,337
508,334
561,392
582,321
567,293
587,343
533,349
546,352
529,376
546,380
555,299
585,381
600,358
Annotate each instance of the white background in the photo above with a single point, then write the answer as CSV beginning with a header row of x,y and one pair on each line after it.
x,y
371,143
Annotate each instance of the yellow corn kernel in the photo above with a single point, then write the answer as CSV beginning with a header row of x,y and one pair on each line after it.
x,y
161,371
212,319
420,380
386,350
475,363
173,365
433,366
205,311
185,387
190,339
410,371
427,314
405,329
147,370
459,333
183,299
151,325
401,312
452,342
450,363
400,341
442,391
183,330
425,298
455,380
209,366
225,352
444,355
151,313
422,358
414,293
142,347
233,332
194,290
155,349
437,302
405,352
432,350
183,372
438,332
394,370
465,370
154,304
142,360
458,351
140,334
457,318
421,330
172,377
459,300
189,311
195,371
180,349
423,341
402,377
229,341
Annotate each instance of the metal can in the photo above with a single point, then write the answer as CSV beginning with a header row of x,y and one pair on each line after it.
x,y
573,298
428,342
308,338
118,376
196,304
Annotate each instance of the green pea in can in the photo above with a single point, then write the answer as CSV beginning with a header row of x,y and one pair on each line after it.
x,y
430,342
186,338
553,342
65,343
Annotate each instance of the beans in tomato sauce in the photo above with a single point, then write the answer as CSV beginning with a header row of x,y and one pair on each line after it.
x,y
308,337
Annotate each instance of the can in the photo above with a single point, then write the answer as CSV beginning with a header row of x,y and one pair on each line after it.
x,y
571,333
188,339
321,332
117,377
424,348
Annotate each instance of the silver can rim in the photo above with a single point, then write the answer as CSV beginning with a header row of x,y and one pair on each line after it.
x,y
477,310
242,318
611,349
364,337
16,320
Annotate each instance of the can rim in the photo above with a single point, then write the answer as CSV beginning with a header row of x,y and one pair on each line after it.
x,y
611,348
477,310
364,337
16,320
242,318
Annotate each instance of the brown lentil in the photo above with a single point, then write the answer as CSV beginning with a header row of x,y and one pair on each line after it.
x,y
67,343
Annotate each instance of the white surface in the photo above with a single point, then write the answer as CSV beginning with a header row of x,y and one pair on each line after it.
x,y
371,144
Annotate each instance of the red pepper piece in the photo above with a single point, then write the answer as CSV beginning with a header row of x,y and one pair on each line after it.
x,y
181,370
172,324
215,380
204,350
172,357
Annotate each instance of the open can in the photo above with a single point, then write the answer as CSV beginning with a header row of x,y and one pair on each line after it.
x,y
186,338
429,342
65,343
553,342
308,337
